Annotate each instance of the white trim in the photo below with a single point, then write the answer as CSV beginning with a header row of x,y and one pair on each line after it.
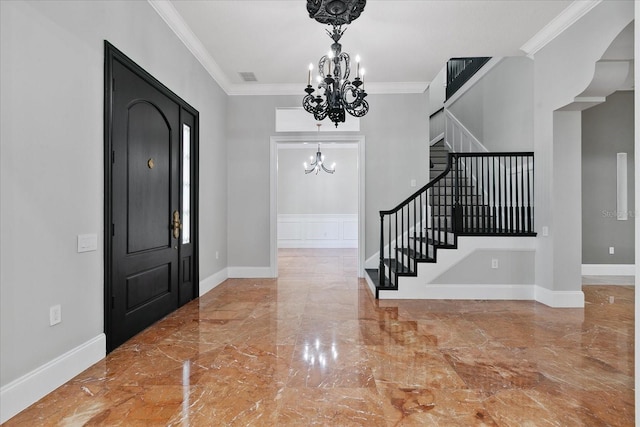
x,y
622,202
483,71
373,261
273,185
373,88
317,230
455,143
559,299
174,20
510,292
558,25
212,281
370,284
436,139
608,269
28,389
463,292
249,272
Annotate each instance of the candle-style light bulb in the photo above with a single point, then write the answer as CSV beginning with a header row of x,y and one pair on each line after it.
x,y
309,78
363,79
330,56
357,65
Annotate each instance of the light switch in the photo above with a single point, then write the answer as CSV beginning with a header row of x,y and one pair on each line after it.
x,y
87,242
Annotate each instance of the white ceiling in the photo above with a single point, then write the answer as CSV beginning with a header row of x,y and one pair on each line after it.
x,y
403,43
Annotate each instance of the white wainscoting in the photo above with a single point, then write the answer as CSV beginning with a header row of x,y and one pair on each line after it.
x,y
317,231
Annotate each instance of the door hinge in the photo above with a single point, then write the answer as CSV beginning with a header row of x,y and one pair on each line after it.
x,y
113,230
113,157
113,84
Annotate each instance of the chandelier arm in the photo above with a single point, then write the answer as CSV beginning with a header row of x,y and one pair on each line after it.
x,y
307,103
327,170
321,65
360,111
344,57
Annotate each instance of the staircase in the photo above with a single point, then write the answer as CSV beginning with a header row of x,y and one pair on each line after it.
x,y
438,155
470,194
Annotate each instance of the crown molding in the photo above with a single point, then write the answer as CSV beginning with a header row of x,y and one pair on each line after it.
x,y
250,89
558,25
170,15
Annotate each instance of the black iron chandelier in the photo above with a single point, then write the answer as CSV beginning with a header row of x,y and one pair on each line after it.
x,y
340,94
318,163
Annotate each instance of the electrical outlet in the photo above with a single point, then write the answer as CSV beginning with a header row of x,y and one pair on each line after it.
x,y
55,315
545,231
494,263
611,250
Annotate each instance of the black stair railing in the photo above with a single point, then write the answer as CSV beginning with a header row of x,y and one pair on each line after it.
x,y
495,194
478,194
460,70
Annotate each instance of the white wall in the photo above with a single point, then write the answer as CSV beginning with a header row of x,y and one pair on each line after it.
x,y
317,210
323,193
52,58
562,70
437,90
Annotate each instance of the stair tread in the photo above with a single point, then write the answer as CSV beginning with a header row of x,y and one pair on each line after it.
x,y
393,264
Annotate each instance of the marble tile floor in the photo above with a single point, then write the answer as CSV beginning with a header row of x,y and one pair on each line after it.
x,y
314,347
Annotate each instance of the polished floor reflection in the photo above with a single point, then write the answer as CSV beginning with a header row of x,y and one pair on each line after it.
x,y
315,348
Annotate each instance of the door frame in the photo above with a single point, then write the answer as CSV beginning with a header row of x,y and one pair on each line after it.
x,y
273,205
111,53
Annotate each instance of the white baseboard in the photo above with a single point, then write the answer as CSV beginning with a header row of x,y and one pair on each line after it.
x,y
556,299
212,281
370,284
250,272
28,389
317,244
462,292
559,299
373,261
608,269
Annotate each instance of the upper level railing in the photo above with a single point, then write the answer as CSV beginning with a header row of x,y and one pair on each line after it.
x,y
478,194
459,70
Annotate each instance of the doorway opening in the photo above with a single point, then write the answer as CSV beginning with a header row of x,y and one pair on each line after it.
x,y
333,231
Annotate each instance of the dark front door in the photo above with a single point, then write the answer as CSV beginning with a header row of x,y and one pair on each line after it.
x,y
151,259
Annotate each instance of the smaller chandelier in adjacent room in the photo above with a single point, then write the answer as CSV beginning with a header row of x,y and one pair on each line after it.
x,y
318,163
339,94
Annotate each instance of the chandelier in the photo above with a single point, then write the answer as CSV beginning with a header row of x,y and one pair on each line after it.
x,y
318,163
340,94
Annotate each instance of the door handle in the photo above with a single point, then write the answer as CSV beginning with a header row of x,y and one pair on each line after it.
x,y
176,225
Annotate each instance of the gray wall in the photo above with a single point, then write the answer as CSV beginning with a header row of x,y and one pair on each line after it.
x,y
562,70
498,109
607,129
51,158
396,132
514,268
322,193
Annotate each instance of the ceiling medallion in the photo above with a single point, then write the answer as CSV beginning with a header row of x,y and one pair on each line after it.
x,y
335,12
